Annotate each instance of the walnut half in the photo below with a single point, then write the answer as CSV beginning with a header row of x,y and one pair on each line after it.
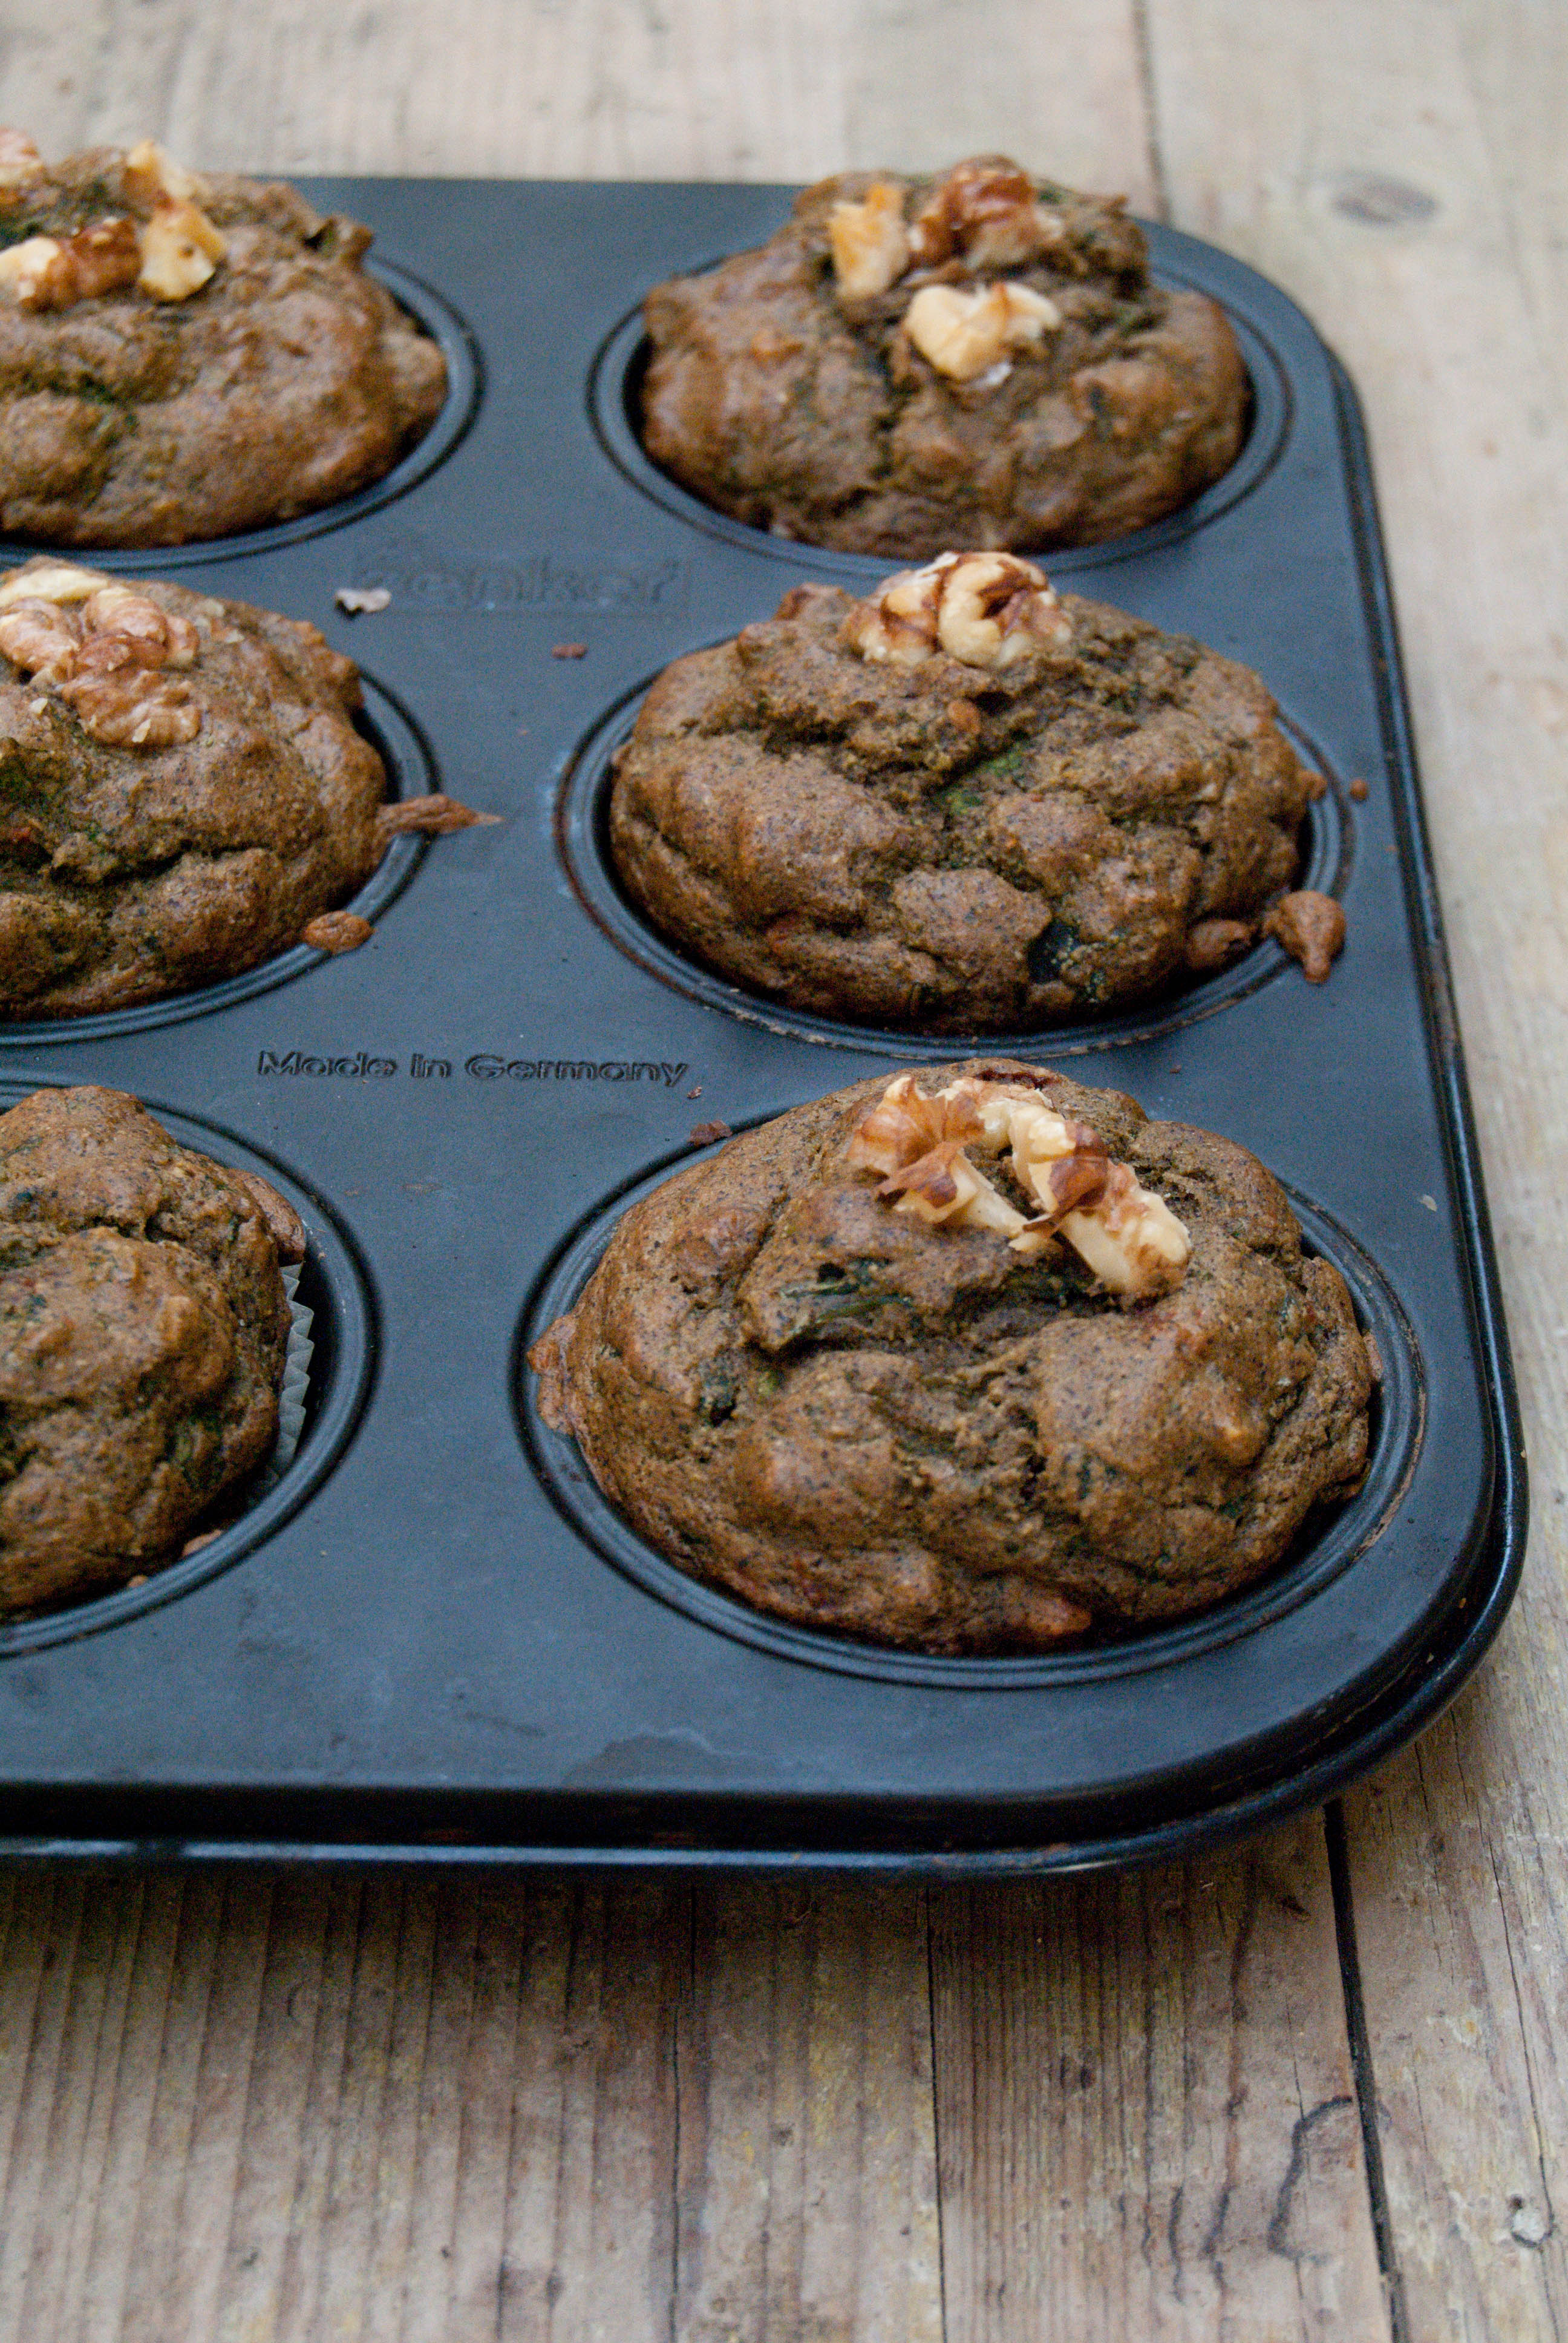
x,y
921,1144
986,609
105,649
966,335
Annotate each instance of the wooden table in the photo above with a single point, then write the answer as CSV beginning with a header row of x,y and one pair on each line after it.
x,y
1314,2088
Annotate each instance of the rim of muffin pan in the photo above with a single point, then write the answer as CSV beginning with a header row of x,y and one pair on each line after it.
x,y
334,1287
411,772
582,844
614,392
465,386
1329,1542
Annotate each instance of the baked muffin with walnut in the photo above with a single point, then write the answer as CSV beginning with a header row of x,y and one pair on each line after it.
x,y
184,357
979,358
973,1361
964,801
182,789
144,1326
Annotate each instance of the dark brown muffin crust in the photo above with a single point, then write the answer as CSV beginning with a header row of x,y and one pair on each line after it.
x,y
286,379
909,1432
143,1330
786,398
974,849
182,788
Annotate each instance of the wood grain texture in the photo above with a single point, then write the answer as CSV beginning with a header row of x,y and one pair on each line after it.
x,y
325,2108
321,2106
589,88
1420,220
1145,2109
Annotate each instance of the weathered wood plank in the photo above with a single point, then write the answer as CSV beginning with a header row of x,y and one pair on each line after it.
x,y
604,89
1146,2115
1419,221
335,2107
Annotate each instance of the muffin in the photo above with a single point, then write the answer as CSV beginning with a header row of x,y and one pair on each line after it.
x,y
143,1325
976,360
184,357
182,789
978,1361
964,801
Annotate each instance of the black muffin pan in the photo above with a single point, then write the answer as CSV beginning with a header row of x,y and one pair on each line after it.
x,y
432,1637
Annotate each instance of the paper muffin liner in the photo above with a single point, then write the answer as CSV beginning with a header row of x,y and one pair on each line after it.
x,y
295,1385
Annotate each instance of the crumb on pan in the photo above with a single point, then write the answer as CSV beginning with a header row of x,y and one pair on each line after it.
x,y
1311,929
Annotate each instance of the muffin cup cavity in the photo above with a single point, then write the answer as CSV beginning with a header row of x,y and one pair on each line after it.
x,y
1331,1542
614,400
323,1395
464,380
582,842
410,774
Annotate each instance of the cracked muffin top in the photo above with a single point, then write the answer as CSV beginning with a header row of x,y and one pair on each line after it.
x,y
964,801
144,1326
978,1360
977,358
182,788
184,357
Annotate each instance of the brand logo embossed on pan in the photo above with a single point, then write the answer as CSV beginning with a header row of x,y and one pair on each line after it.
x,y
419,576
484,1066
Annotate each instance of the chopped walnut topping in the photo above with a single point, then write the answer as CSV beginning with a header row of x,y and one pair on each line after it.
x,y
105,649
35,637
104,258
870,244
180,250
986,609
1311,928
132,708
149,173
36,273
170,254
19,159
51,581
1127,1236
967,335
987,211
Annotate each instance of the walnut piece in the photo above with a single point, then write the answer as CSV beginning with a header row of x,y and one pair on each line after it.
x,y
170,254
922,1145
105,649
180,249
51,581
967,335
1311,928
869,243
36,273
19,159
149,173
132,708
986,609
986,210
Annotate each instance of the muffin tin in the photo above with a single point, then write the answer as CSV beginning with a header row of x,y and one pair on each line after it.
x,y
432,1637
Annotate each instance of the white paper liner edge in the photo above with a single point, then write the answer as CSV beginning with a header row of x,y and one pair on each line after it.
x,y
295,1383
